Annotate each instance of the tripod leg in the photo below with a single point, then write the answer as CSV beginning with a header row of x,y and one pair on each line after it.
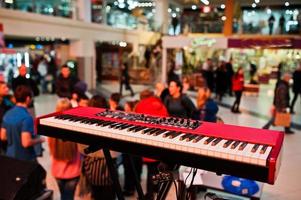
x,y
113,173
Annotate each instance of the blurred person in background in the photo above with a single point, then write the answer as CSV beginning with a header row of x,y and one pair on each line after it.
x,y
178,104
281,100
237,87
129,181
18,127
114,102
5,105
230,73
207,72
42,70
161,91
65,159
95,176
296,87
65,83
149,104
221,81
207,107
171,74
83,100
125,79
25,79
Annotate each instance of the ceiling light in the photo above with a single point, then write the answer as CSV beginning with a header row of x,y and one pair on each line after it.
x,y
286,3
253,5
206,2
224,18
193,7
223,6
257,1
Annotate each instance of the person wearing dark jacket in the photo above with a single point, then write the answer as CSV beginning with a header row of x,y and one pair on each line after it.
x,y
281,100
125,79
221,81
65,83
178,104
296,86
24,79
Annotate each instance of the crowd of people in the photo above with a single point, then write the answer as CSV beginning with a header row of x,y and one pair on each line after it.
x,y
71,167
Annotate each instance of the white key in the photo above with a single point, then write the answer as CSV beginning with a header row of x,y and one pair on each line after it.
x,y
256,155
263,157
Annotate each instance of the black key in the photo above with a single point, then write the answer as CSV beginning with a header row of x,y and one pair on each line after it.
x,y
183,137
242,146
116,126
90,121
263,149
77,119
84,121
153,131
100,122
174,135
107,124
139,129
216,141
159,132
255,147
147,130
168,134
125,126
227,143
198,138
210,139
235,144
190,137
133,128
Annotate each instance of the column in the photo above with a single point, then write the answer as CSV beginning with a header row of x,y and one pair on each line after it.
x,y
161,16
229,17
83,51
164,65
104,12
84,10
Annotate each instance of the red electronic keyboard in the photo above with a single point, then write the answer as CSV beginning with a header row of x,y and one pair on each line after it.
x,y
225,149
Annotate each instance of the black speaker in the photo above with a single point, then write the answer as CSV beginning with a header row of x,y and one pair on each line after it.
x,y
20,179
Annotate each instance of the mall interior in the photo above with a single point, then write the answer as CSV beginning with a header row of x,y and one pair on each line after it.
x,y
235,65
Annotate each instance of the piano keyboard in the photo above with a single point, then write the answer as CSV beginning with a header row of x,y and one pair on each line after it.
x,y
168,135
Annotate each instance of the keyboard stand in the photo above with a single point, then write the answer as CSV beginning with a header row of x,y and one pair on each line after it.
x,y
113,171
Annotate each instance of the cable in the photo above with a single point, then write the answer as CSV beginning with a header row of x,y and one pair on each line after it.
x,y
188,194
188,175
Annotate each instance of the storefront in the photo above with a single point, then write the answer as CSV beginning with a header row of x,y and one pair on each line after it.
x,y
267,54
195,48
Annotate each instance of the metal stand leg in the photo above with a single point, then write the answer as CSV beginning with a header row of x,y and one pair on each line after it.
x,y
137,183
113,173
